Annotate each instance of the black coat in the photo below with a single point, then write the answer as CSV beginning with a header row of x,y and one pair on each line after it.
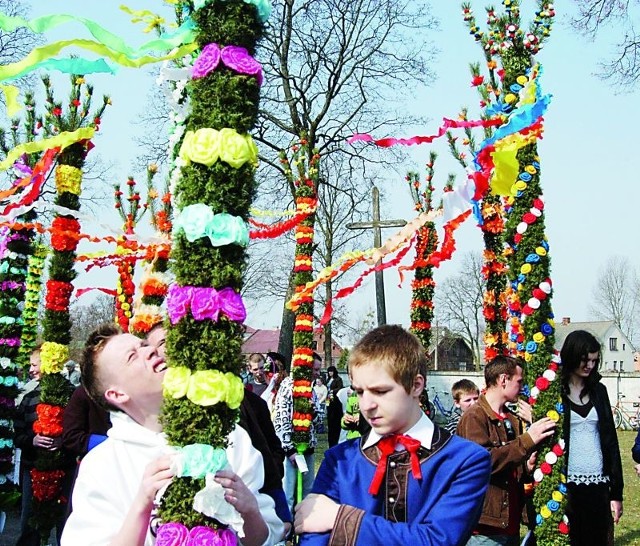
x,y
611,461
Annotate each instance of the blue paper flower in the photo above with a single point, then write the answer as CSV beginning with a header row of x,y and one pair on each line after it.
x,y
532,259
562,488
553,505
526,391
521,277
560,407
515,87
524,176
539,519
531,347
520,346
544,245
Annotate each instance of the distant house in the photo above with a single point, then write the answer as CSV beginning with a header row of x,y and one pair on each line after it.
x,y
264,341
453,352
617,350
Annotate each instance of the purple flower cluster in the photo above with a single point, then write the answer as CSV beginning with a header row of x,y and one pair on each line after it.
x,y
176,534
233,57
204,303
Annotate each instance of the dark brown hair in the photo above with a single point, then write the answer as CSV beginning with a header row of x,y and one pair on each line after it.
x,y
498,366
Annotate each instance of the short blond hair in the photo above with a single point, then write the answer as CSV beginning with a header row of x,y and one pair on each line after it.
x,y
397,350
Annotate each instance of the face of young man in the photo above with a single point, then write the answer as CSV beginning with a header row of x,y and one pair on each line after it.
x,y
385,404
157,338
467,400
131,371
513,385
257,370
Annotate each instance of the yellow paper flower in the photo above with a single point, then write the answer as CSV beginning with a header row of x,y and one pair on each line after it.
x,y
176,381
203,146
557,496
237,149
207,387
522,80
53,356
526,268
538,337
545,512
530,169
541,251
235,392
68,179
553,415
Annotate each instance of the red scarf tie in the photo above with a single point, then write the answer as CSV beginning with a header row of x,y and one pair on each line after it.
x,y
387,446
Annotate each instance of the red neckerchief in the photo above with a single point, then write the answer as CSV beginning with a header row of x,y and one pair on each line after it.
x,y
387,446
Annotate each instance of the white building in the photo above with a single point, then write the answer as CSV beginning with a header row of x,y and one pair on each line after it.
x,y
617,350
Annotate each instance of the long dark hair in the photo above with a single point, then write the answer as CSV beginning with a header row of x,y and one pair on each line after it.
x,y
575,350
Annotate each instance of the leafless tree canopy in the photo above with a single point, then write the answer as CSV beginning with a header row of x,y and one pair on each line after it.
x,y
86,316
623,67
459,303
616,295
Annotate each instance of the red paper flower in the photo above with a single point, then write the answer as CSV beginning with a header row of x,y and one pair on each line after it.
x,y
542,383
477,80
557,449
58,295
563,528
545,468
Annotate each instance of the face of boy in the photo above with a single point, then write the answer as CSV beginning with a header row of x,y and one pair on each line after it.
x,y
467,400
156,338
131,370
385,404
512,385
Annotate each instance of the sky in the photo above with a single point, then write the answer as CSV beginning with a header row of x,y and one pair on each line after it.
x,y
588,154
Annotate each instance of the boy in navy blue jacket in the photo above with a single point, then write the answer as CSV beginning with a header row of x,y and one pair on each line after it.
x,y
407,481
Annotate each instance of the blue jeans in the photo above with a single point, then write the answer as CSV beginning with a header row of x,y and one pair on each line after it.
x,y
290,479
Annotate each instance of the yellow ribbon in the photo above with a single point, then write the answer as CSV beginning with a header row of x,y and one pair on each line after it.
x,y
11,93
59,141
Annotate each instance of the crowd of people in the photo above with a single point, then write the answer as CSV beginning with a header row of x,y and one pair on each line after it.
x,y
391,474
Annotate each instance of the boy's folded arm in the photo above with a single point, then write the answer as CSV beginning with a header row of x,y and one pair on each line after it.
x,y
449,524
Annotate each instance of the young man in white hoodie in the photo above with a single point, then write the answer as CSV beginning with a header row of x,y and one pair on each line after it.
x,y
113,499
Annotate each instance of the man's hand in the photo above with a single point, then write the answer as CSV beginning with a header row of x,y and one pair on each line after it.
x,y
156,475
351,418
541,429
46,442
315,514
531,462
524,411
236,493
616,510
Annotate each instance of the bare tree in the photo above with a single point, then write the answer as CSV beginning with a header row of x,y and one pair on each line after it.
x,y
333,68
459,303
623,67
616,295
85,316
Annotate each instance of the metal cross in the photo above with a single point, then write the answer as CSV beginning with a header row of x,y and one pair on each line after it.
x,y
376,224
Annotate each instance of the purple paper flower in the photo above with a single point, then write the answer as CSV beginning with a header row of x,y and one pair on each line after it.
x,y
231,304
172,534
205,536
207,61
205,304
178,302
237,58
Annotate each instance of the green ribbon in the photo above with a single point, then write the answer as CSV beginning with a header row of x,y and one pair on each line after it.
x,y
40,54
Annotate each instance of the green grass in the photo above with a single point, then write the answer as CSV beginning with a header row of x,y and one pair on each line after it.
x,y
627,532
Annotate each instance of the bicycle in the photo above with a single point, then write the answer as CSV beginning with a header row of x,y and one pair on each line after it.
x,y
621,415
436,406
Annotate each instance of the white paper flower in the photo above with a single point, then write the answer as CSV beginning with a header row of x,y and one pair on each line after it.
x,y
551,457
210,502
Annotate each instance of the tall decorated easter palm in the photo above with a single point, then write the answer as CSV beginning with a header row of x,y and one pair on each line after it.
x,y
212,184
511,157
